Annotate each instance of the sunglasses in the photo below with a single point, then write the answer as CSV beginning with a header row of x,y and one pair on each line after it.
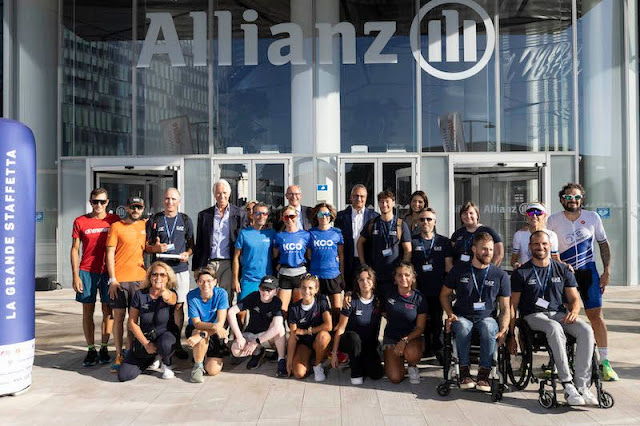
x,y
159,274
309,276
262,288
532,213
426,219
260,213
320,215
96,202
290,217
569,197
136,207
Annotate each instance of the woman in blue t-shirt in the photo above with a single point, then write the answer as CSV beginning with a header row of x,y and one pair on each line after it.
x,y
462,239
358,329
290,248
326,254
406,313
309,325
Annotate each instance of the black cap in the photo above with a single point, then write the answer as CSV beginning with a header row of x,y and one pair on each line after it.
x,y
135,200
269,281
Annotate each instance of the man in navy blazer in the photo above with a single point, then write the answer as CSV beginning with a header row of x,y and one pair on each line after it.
x,y
351,221
294,196
217,230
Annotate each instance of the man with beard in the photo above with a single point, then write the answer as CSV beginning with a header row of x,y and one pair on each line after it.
x,y
125,265
577,230
480,287
537,289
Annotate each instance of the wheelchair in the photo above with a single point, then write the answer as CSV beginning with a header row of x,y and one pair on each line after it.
x,y
451,366
520,368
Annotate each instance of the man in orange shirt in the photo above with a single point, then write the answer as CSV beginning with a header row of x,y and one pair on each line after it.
x,y
125,265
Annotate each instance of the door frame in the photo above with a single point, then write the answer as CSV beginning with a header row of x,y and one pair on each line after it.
x,y
377,162
251,162
503,161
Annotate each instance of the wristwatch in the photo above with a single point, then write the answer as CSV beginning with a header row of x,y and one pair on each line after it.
x,y
405,340
257,341
110,280
203,334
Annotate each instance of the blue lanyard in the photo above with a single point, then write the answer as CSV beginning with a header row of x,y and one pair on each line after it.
x,y
486,272
427,254
385,233
546,281
166,227
468,242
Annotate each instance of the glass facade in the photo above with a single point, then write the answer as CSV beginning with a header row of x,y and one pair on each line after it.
x,y
394,94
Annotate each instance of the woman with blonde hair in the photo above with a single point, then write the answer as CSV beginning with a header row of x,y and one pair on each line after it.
x,y
536,214
152,306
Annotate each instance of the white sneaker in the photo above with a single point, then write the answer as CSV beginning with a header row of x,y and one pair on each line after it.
x,y
167,372
589,398
414,375
318,373
572,396
357,381
155,366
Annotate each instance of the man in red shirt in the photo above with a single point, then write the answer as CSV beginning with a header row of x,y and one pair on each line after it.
x,y
90,275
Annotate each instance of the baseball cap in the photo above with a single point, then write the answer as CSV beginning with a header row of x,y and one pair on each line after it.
x,y
135,200
536,206
269,281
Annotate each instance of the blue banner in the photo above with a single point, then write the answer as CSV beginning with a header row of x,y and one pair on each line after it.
x,y
17,248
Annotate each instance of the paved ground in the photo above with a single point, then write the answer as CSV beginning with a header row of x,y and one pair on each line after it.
x,y
64,392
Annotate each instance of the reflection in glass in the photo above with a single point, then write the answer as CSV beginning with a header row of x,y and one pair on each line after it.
x,y
398,178
359,173
270,184
238,177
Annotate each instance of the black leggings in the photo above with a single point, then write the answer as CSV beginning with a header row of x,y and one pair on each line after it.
x,y
433,331
363,356
133,366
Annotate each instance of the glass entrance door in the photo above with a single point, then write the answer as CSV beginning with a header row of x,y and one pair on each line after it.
x,y
261,180
500,196
148,184
395,174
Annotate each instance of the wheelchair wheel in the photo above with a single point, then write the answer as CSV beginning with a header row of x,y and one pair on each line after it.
x,y
546,399
518,365
606,400
443,389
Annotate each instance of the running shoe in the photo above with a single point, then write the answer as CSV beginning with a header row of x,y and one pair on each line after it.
x,y
414,375
318,373
256,359
572,396
357,381
103,355
608,375
167,372
589,398
156,364
115,367
91,358
282,368
482,383
197,374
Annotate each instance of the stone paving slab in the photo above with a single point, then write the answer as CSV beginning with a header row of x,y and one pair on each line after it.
x,y
64,392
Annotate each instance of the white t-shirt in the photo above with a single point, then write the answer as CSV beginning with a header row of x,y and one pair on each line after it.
x,y
521,244
576,238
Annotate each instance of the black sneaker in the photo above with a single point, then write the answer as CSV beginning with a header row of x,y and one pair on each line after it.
x,y
237,360
180,352
255,360
271,356
282,368
103,355
91,358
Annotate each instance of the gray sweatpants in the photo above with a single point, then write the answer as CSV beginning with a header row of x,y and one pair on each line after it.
x,y
549,323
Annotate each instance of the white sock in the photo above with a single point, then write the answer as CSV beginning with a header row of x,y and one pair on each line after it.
x,y
604,354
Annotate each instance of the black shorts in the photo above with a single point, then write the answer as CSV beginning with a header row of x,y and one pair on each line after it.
x,y
331,285
216,346
289,283
307,340
125,295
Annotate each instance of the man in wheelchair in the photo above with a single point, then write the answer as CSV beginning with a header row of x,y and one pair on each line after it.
x,y
479,287
537,289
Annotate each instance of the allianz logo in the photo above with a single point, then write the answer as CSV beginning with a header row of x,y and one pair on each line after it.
x,y
292,49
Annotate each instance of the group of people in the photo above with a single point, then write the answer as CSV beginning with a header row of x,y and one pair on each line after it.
x,y
316,284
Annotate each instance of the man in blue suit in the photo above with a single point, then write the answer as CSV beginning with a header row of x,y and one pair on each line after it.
x,y
350,221
217,231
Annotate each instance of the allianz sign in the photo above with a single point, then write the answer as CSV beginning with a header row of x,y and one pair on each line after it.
x,y
290,49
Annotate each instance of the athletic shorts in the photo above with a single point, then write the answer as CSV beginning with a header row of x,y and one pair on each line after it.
x,y
125,295
331,285
589,286
216,346
93,282
307,340
289,283
390,343
182,285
